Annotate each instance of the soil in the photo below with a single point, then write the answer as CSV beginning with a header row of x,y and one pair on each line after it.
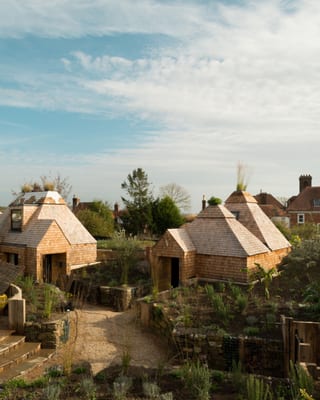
x,y
103,338
109,344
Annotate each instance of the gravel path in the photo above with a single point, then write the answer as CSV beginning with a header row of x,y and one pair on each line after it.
x,y
102,337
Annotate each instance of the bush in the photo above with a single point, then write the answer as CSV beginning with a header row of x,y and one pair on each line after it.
x,y
197,379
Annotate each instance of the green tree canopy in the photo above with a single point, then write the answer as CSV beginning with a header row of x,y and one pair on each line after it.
x,y
166,215
138,217
97,219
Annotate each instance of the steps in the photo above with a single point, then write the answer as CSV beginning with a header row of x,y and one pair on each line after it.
x,y
18,356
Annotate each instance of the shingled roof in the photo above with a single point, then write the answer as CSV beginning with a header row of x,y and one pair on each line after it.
x,y
215,231
305,201
51,209
248,212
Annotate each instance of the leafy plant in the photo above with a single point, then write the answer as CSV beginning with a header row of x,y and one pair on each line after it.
x,y
197,379
251,330
52,391
265,276
87,389
257,389
300,379
121,387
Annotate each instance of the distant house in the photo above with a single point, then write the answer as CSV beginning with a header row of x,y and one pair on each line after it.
x,y
39,232
305,207
220,244
272,208
117,214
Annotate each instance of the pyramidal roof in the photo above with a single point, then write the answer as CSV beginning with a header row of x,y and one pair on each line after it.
x,y
248,212
215,231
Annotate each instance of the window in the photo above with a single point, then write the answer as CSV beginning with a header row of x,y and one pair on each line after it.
x,y
16,220
300,219
12,258
236,214
316,202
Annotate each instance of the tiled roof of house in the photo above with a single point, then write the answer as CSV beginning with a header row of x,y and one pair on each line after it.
x,y
270,205
216,231
255,220
305,201
182,238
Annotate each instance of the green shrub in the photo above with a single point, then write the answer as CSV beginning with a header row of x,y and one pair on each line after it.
x,y
197,380
257,389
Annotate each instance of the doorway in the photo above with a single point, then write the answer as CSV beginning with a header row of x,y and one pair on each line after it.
x,y
175,272
47,268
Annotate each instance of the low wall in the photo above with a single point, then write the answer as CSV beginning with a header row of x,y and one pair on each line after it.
x,y
50,334
120,298
258,355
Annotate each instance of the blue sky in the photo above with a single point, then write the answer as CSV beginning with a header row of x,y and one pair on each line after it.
x,y
183,89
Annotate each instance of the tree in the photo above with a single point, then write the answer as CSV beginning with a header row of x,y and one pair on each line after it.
x,y
126,254
165,215
138,217
178,194
97,219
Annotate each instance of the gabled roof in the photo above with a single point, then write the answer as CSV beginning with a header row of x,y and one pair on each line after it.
x,y
255,220
270,205
215,231
182,238
305,200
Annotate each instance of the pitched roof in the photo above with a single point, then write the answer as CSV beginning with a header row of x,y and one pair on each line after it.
x,y
50,209
255,220
270,205
182,238
216,231
305,200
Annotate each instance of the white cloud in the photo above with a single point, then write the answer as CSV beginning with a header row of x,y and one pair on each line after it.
x,y
70,19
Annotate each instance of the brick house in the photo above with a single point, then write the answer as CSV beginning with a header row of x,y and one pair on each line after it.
x,y
218,245
39,232
272,208
305,207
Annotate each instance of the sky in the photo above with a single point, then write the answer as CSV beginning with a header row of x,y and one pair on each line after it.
x,y
184,89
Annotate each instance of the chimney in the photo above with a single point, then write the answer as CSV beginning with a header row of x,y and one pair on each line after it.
x,y
75,202
116,209
204,202
304,181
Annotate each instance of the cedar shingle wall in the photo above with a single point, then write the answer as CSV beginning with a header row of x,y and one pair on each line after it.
x,y
221,268
82,254
168,247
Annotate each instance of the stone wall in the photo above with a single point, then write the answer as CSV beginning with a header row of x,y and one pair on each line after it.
x,y
120,298
50,334
258,355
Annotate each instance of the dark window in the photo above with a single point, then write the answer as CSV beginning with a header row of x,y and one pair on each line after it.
x,y
236,214
16,220
316,203
12,258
